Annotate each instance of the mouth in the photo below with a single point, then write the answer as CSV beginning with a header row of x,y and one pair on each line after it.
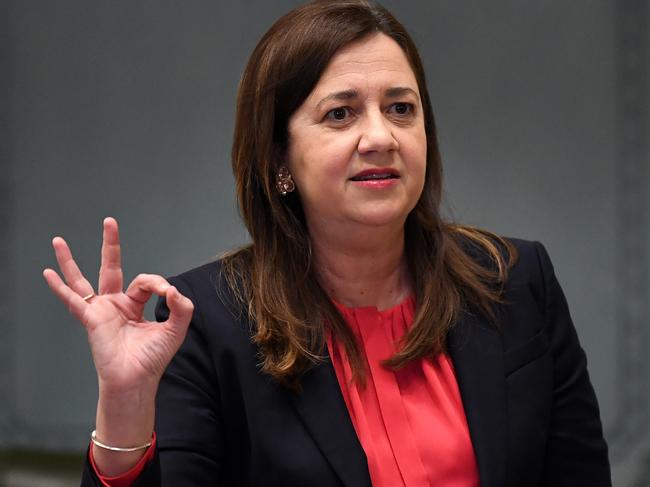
x,y
375,175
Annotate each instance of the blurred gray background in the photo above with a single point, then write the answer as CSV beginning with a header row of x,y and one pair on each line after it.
x,y
125,109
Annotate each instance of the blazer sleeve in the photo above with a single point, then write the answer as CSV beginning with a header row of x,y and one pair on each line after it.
x,y
576,451
190,446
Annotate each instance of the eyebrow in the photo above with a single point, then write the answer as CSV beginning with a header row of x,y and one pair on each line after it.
x,y
399,91
346,95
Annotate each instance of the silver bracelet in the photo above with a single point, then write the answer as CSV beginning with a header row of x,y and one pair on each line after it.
x,y
93,438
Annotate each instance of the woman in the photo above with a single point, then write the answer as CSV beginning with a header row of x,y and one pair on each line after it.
x,y
359,339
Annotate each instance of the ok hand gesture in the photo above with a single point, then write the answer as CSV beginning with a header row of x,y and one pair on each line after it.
x,y
129,352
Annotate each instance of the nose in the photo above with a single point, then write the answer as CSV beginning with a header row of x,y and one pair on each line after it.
x,y
376,134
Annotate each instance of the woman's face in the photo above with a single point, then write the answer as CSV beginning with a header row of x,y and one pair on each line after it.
x,y
357,145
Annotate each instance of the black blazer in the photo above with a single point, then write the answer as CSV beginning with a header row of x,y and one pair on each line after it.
x,y
531,409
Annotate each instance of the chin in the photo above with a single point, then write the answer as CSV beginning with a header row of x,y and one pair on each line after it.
x,y
385,211
381,217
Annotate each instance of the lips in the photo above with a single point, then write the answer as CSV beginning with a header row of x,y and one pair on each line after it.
x,y
375,174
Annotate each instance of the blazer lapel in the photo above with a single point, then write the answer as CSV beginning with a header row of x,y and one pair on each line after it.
x,y
476,350
323,411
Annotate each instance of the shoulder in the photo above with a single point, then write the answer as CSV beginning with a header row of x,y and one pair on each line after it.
x,y
532,255
201,276
205,284
217,309
531,264
531,273
527,290
534,308
526,263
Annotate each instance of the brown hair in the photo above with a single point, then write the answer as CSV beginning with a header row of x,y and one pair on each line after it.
x,y
273,277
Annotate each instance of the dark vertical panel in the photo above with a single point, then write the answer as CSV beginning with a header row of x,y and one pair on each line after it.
x,y
6,392
631,176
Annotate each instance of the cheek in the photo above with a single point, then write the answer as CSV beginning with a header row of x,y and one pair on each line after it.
x,y
320,157
414,151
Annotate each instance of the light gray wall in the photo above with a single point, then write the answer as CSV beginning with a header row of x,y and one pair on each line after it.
x,y
126,109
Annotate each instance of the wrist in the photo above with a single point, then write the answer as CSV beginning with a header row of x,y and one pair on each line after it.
x,y
110,461
125,418
120,449
138,390
123,398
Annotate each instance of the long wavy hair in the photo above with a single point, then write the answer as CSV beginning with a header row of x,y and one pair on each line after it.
x,y
273,278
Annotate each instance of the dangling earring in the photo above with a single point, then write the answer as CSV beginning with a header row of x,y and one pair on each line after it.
x,y
284,181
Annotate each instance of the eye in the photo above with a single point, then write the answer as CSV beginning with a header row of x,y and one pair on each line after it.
x,y
402,108
338,114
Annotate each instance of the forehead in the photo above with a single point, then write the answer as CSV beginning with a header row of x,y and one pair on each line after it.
x,y
375,61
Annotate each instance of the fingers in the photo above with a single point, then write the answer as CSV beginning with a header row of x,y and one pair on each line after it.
x,y
180,310
110,271
70,298
144,285
71,273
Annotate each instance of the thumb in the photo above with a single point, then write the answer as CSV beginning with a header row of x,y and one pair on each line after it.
x,y
180,310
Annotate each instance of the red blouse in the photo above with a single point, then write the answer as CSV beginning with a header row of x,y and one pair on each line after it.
x,y
411,423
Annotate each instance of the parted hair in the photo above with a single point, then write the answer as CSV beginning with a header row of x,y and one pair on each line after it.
x,y
273,278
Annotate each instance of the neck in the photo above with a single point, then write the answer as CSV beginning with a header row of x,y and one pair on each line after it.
x,y
363,267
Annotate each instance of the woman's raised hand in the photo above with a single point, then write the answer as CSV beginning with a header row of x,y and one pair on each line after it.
x,y
129,352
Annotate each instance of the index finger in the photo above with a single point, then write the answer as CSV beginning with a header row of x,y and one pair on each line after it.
x,y
110,271
75,303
